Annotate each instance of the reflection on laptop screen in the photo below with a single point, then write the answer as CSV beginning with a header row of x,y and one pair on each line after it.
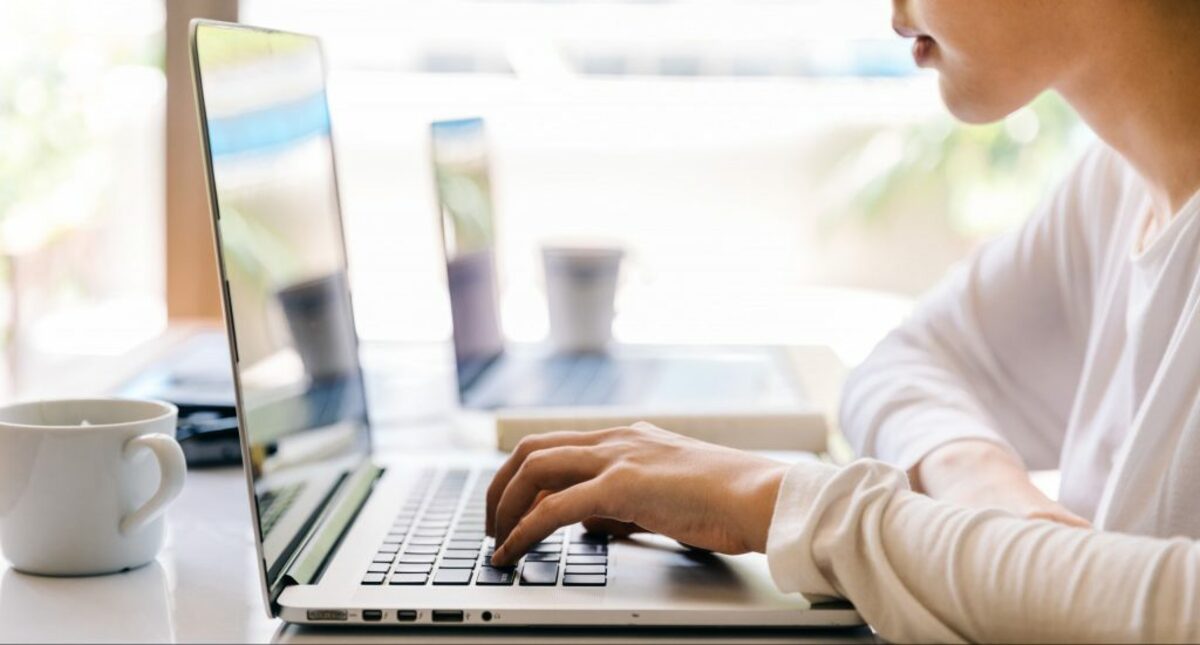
x,y
460,168
303,410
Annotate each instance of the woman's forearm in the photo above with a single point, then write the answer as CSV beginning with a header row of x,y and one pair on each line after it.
x,y
921,570
984,474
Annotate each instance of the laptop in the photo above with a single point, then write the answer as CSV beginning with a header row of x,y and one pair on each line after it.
x,y
344,537
495,375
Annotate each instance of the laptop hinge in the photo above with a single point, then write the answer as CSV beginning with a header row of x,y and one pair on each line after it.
x,y
327,533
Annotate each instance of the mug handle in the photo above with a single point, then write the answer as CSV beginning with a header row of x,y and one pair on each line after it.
x,y
171,468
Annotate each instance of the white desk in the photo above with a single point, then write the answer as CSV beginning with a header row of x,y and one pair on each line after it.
x,y
204,587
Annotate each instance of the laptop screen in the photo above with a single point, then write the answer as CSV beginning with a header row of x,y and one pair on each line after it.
x,y
301,401
464,192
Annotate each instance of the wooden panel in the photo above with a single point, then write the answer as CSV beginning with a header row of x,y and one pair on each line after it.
x,y
191,266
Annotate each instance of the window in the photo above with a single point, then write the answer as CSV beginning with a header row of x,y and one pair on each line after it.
x,y
738,148
81,173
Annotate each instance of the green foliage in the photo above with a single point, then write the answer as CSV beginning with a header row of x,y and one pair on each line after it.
x,y
50,74
981,178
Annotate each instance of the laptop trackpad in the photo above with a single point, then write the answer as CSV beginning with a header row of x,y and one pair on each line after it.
x,y
652,569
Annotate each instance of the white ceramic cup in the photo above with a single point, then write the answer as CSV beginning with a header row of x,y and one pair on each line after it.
x,y
581,286
84,483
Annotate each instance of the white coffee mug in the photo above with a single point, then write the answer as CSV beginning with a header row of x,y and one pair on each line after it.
x,y
581,285
84,483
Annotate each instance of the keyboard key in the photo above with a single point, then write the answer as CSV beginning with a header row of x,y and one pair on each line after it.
x,y
426,540
543,547
379,567
580,580
461,554
452,577
408,579
587,559
384,557
428,549
389,548
457,564
496,576
586,569
589,538
467,535
469,545
542,557
430,533
588,549
373,579
414,568
417,559
539,574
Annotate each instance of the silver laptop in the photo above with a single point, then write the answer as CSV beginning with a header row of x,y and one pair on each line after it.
x,y
493,374
342,537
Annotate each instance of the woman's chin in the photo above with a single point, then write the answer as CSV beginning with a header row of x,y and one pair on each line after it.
x,y
971,107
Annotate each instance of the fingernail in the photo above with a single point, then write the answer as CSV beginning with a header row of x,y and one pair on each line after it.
x,y
498,558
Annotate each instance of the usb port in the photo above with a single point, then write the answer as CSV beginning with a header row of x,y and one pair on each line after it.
x,y
373,615
406,615
447,616
327,614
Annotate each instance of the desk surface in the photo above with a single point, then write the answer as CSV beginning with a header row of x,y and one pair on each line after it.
x,y
204,585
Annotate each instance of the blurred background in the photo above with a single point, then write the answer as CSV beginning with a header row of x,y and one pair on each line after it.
x,y
777,169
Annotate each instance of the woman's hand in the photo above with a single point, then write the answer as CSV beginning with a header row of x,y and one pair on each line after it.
x,y
701,494
979,473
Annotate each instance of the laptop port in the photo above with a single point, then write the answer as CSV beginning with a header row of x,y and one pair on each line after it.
x,y
447,616
327,614
486,616
372,615
406,615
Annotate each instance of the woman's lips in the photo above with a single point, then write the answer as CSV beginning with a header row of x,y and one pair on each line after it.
x,y
904,31
922,50
922,47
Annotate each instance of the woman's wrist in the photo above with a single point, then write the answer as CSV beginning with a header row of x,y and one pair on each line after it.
x,y
759,503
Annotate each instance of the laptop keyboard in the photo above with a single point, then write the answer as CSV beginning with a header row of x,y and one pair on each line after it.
x,y
438,539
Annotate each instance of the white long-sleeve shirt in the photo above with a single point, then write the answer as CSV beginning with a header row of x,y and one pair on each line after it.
x,y
920,570
1066,343
1072,346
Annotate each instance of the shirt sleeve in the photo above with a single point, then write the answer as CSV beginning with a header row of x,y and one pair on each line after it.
x,y
996,350
922,570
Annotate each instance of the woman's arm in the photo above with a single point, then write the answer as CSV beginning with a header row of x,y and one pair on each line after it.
x,y
993,355
916,568
921,570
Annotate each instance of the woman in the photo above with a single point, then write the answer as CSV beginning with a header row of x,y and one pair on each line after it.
x,y
1073,342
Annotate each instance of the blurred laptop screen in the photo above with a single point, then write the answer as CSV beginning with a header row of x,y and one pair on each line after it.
x,y
464,193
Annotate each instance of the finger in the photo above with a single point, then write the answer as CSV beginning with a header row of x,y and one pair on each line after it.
x,y
551,469
608,526
563,508
526,447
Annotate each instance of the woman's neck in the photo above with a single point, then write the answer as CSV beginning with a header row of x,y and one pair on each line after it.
x,y
1138,87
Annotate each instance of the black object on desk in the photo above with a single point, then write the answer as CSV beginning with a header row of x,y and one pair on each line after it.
x,y
198,379
209,435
